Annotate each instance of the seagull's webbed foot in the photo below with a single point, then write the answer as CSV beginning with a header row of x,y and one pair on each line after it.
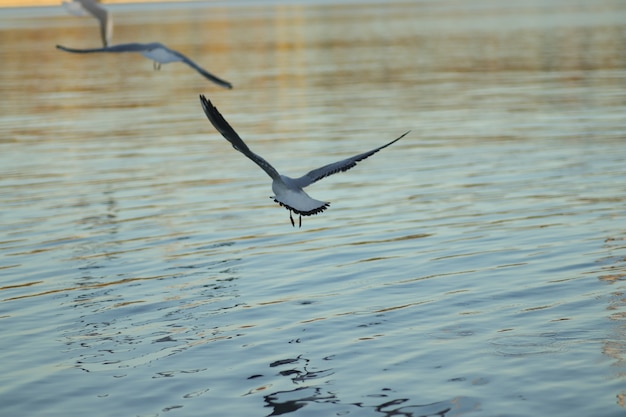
x,y
293,224
156,65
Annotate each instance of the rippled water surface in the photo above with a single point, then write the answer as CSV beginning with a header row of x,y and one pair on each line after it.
x,y
476,267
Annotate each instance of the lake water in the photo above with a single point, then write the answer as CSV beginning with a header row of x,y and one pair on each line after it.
x,y
476,267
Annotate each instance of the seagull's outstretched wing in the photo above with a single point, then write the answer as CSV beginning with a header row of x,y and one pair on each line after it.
x,y
201,70
103,16
340,166
230,135
82,7
146,49
75,8
122,47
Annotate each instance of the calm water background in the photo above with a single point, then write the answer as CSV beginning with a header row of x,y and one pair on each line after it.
x,y
476,267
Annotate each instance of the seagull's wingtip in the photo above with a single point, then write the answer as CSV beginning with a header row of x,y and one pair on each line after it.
x,y
400,137
206,103
208,107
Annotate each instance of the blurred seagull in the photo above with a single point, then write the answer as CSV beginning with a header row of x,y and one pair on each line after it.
x,y
289,191
84,7
155,51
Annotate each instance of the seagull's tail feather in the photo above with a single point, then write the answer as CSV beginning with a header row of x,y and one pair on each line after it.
x,y
316,210
297,200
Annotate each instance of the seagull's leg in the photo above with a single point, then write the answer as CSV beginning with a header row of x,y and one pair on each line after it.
x,y
299,221
156,65
293,224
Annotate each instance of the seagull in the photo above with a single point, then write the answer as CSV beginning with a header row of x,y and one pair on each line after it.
x,y
289,191
84,7
155,51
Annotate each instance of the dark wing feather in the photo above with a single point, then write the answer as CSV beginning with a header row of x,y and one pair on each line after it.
x,y
123,47
340,166
202,71
222,126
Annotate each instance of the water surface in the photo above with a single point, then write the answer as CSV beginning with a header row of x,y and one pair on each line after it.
x,y
476,267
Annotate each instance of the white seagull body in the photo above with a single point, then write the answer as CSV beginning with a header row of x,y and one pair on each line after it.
x,y
84,7
289,191
155,51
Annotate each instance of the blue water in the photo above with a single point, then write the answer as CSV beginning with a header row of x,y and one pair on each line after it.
x,y
476,267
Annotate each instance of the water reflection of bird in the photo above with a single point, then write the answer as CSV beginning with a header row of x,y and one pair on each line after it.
x,y
155,51
289,191
84,7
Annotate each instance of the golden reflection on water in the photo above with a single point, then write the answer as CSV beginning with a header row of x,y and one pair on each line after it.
x,y
281,57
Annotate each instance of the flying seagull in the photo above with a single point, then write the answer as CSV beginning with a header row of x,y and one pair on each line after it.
x,y
289,191
84,7
155,51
